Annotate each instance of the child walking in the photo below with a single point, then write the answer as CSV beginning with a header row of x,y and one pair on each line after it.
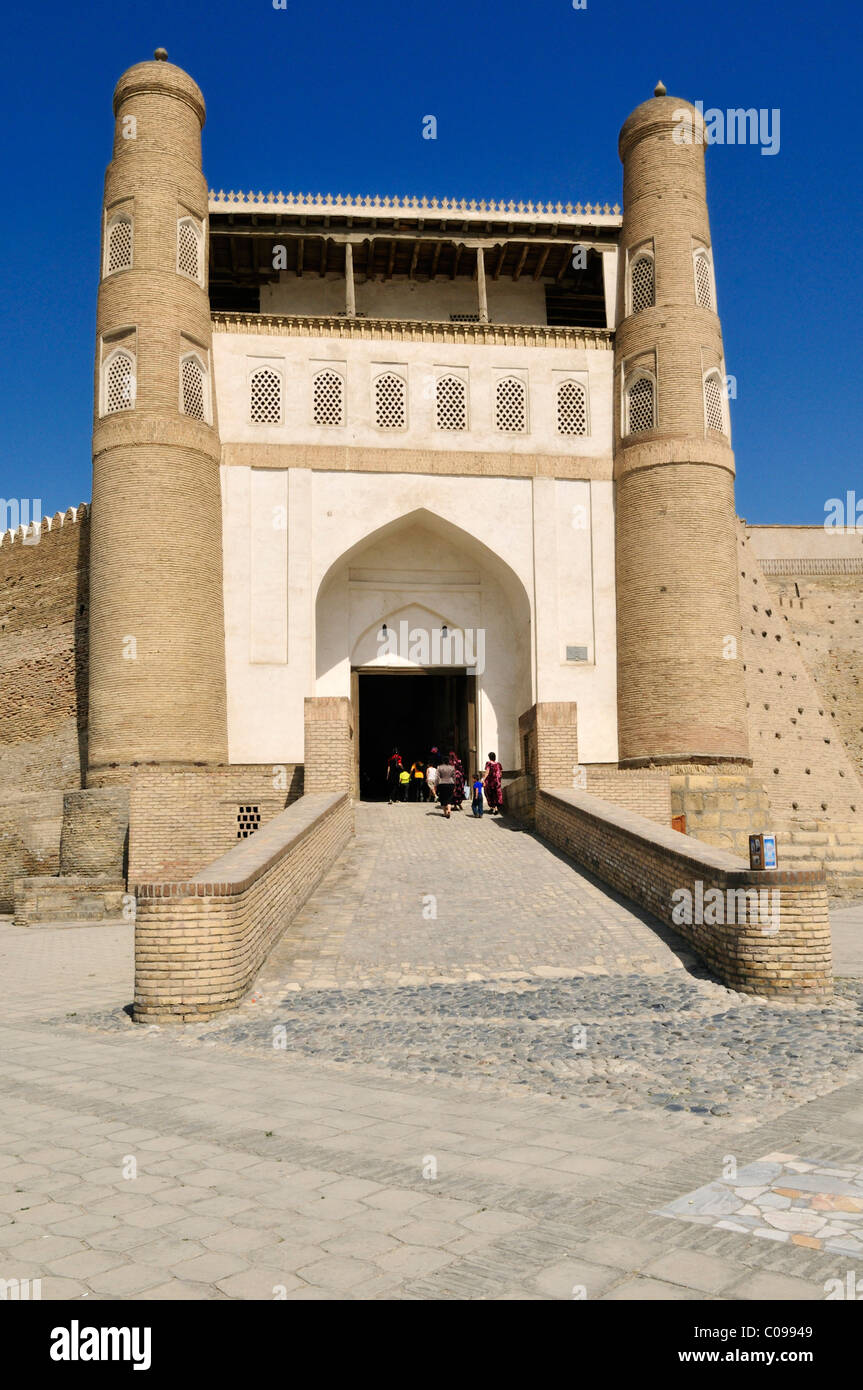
x,y
476,798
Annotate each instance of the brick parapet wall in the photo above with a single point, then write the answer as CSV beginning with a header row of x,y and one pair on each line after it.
x,y
645,791
648,863
182,818
200,943
329,744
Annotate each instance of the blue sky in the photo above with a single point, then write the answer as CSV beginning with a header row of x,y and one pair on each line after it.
x,y
529,98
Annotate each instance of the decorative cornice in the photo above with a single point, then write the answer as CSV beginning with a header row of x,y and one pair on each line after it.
x,y
459,208
839,565
412,330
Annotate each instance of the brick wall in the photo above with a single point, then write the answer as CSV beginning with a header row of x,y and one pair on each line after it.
x,y
721,808
44,605
329,744
199,944
182,818
647,791
795,732
548,735
648,863
95,832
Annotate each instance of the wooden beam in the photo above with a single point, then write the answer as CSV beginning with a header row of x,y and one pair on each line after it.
x,y
300,250
350,293
500,260
435,259
392,259
540,265
414,256
455,261
482,295
521,260
370,258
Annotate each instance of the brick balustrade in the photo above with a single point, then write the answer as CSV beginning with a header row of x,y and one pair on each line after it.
x,y
648,862
199,943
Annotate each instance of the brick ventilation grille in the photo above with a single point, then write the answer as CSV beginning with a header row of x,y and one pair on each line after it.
x,y
188,251
118,392
641,412
193,388
328,399
464,318
248,821
266,402
120,245
571,408
451,404
642,284
713,404
510,412
390,402
703,291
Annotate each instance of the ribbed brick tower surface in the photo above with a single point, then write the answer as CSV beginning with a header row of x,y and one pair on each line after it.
x,y
681,693
157,647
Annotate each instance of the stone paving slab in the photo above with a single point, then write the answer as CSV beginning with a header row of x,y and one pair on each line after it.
x,y
205,1163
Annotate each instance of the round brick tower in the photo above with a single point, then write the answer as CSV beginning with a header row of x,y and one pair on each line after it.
x,y
157,646
680,676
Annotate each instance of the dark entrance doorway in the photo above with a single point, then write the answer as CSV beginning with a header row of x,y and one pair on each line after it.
x,y
411,711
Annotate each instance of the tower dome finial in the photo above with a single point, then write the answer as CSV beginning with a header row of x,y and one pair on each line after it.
x,y
660,90
161,55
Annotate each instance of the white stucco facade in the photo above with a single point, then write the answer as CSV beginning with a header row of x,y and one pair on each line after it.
x,y
318,558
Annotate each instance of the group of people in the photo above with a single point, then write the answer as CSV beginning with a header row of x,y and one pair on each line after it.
x,y
442,779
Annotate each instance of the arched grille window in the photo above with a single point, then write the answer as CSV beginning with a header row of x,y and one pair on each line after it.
x,y
571,408
118,251
328,398
193,382
119,382
714,413
703,281
643,292
510,406
265,406
391,409
189,249
451,403
640,406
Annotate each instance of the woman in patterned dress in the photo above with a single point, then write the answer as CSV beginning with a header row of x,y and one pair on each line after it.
x,y
492,784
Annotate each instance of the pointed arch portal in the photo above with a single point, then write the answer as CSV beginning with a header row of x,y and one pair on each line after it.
x,y
427,629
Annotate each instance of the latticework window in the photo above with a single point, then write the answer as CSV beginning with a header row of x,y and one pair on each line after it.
x,y
194,383
464,318
510,406
189,249
643,296
328,398
641,406
265,405
451,403
248,821
571,408
391,410
703,286
119,249
119,391
714,415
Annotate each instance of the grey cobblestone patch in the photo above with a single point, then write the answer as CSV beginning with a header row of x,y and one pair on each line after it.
x,y
676,1042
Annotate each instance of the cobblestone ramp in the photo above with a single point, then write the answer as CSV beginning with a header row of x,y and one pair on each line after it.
x,y
417,899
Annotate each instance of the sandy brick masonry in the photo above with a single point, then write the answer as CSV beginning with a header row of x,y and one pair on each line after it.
x,y
647,863
329,744
183,818
200,943
44,610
